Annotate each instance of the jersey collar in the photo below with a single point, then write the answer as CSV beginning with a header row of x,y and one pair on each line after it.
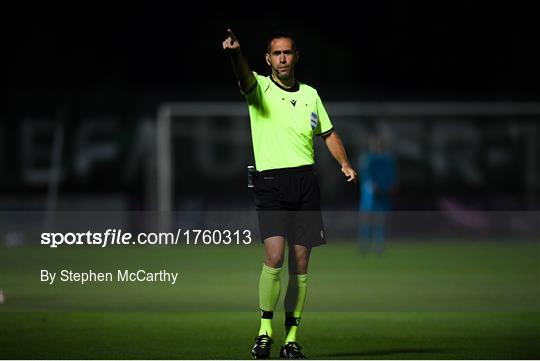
x,y
294,88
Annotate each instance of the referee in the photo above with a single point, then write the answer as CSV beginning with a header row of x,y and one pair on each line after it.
x,y
285,114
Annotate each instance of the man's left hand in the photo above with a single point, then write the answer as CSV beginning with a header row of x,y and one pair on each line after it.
x,y
350,174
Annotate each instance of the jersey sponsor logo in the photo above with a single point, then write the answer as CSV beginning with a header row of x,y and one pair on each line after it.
x,y
314,120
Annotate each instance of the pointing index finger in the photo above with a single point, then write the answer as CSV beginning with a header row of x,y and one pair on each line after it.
x,y
231,34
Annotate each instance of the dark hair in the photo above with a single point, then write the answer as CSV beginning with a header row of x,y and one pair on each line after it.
x,y
279,35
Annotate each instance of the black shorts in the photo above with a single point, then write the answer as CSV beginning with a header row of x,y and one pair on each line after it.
x,y
288,205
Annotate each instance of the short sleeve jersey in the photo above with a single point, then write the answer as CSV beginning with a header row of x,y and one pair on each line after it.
x,y
283,123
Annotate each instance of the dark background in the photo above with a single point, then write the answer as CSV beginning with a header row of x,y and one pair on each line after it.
x,y
375,50
67,63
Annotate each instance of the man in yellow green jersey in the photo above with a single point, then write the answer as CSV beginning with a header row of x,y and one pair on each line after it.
x,y
285,115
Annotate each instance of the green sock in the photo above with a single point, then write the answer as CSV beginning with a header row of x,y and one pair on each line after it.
x,y
294,304
269,289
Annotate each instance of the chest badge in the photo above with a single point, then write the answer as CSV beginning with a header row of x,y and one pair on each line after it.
x,y
314,120
293,102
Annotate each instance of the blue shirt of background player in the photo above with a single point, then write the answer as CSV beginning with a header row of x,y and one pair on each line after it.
x,y
378,177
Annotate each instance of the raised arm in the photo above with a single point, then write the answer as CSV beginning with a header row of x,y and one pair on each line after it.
x,y
245,76
336,148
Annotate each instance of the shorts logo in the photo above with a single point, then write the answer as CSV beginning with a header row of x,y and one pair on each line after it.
x,y
314,120
322,234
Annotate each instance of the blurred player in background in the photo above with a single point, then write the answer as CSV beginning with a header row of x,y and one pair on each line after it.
x,y
285,115
378,174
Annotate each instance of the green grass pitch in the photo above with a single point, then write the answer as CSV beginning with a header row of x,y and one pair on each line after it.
x,y
430,300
